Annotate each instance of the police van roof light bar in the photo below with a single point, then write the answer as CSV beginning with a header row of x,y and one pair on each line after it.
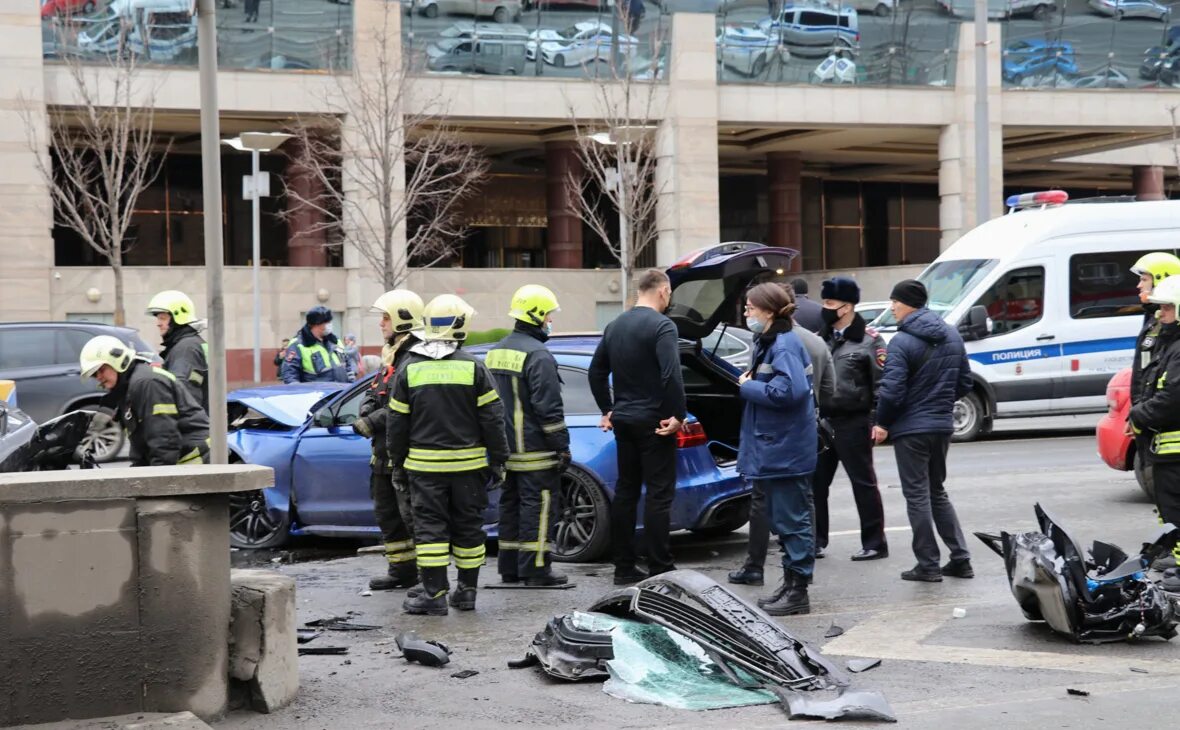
x,y
1042,199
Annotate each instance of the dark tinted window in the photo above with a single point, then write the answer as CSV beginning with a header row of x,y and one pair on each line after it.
x,y
810,18
1102,285
845,21
70,343
1016,300
27,348
575,392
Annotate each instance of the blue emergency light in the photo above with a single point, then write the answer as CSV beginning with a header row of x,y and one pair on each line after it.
x,y
1030,200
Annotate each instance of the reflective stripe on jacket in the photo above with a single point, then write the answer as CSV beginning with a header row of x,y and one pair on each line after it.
x,y
1157,413
165,426
527,380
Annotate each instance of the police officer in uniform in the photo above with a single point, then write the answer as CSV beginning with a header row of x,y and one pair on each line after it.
x,y
185,354
164,425
401,314
446,429
1155,412
858,355
528,383
315,355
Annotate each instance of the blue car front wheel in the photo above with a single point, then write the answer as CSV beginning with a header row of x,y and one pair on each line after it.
x,y
583,527
253,525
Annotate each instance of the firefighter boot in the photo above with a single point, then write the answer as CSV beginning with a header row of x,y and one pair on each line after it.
x,y
794,601
400,575
464,596
432,600
546,579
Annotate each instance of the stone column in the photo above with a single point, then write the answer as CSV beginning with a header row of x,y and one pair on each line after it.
x,y
305,247
26,217
562,164
1147,182
784,182
956,142
687,172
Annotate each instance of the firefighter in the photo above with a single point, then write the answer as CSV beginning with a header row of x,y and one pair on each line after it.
x,y
401,314
446,430
1155,413
164,424
315,355
185,354
1152,269
528,383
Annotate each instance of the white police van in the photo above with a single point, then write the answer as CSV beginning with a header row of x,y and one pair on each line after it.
x,y
1047,303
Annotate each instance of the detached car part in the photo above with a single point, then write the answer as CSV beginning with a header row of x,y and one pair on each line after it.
x,y
425,652
1105,597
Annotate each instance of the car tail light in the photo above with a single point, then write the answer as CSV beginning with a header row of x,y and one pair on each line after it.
x,y
693,434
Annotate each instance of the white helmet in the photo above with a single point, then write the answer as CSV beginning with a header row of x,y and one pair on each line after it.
x,y
446,317
1166,292
404,308
105,350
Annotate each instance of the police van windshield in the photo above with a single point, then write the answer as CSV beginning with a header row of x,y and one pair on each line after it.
x,y
947,282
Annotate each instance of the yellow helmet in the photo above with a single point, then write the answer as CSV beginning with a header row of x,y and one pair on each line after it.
x,y
1159,264
175,303
446,317
403,306
1168,292
532,303
105,350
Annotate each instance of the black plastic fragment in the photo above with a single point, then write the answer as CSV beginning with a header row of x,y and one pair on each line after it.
x,y
465,674
339,623
833,631
426,652
834,704
1077,692
856,666
305,635
522,587
329,650
1137,670
530,660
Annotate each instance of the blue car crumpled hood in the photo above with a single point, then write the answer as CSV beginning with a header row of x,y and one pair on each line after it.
x,y
286,404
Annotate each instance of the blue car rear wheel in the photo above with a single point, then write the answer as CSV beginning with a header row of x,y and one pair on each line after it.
x,y
583,527
253,525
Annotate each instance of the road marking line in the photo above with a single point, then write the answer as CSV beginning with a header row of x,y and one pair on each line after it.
x,y
842,533
1038,694
900,635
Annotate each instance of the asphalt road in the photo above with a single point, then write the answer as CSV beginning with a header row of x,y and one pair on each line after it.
x,y
989,669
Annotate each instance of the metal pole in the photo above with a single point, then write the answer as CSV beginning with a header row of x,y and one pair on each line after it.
x,y
982,127
624,243
256,268
211,191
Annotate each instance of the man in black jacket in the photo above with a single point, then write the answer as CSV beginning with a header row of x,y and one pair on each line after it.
x,y
926,371
858,355
807,312
641,350
185,354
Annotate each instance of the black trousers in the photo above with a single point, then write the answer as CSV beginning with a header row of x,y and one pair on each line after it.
x,y
921,464
396,522
1166,478
853,447
528,522
644,459
448,521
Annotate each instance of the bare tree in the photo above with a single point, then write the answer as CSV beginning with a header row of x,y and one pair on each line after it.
x,y
617,151
102,152
385,160
1173,112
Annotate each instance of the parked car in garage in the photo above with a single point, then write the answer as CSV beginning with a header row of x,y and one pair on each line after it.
x,y
1115,447
501,11
49,8
479,48
815,30
1119,9
304,432
1155,57
1033,57
42,359
746,50
584,42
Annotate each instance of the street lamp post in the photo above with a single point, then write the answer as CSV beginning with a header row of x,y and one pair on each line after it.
x,y
255,186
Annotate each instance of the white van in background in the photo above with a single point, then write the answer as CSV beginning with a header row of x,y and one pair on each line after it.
x,y
1046,301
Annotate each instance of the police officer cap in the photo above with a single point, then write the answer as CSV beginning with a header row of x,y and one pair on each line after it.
x,y
318,315
841,288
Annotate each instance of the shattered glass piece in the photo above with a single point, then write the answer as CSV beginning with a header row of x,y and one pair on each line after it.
x,y
833,631
856,666
653,665
834,705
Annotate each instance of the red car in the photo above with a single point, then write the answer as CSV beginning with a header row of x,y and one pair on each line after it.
x,y
67,7
1115,447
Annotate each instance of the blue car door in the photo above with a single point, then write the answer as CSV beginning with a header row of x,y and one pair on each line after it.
x,y
330,472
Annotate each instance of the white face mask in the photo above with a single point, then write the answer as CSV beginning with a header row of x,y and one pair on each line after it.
x,y
327,329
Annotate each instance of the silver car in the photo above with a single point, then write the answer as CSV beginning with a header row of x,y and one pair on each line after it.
x,y
501,11
1119,9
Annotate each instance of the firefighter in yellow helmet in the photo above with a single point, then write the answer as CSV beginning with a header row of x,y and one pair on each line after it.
x,y
1155,411
401,316
185,353
164,425
1152,269
528,383
446,429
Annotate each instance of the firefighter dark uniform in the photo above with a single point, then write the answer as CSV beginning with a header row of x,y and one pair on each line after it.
x,y
528,383
446,429
186,356
1156,417
164,425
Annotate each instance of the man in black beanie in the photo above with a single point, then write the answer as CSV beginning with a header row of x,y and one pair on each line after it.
x,y
926,371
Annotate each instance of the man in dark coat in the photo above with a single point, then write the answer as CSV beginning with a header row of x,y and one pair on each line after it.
x,y
807,313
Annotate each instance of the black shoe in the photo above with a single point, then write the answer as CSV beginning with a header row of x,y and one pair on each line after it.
x,y
958,569
1171,581
794,601
820,552
463,598
917,574
747,575
869,555
424,605
546,580
629,577
510,579
393,580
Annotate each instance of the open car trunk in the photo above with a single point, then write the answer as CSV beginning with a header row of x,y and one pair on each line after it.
x,y
711,390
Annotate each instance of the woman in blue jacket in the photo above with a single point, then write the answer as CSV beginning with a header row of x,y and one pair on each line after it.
x,y
778,439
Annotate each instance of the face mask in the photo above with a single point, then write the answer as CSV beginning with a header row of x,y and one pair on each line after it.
x,y
548,328
327,329
829,316
755,325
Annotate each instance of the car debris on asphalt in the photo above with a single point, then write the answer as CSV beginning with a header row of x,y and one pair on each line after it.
x,y
683,640
1098,597
833,631
340,623
325,650
465,674
426,652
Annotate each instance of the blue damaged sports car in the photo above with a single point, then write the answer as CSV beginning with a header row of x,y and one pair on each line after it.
x,y
321,466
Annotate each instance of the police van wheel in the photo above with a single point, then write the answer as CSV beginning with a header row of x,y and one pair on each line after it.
x,y
583,527
968,418
1143,476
